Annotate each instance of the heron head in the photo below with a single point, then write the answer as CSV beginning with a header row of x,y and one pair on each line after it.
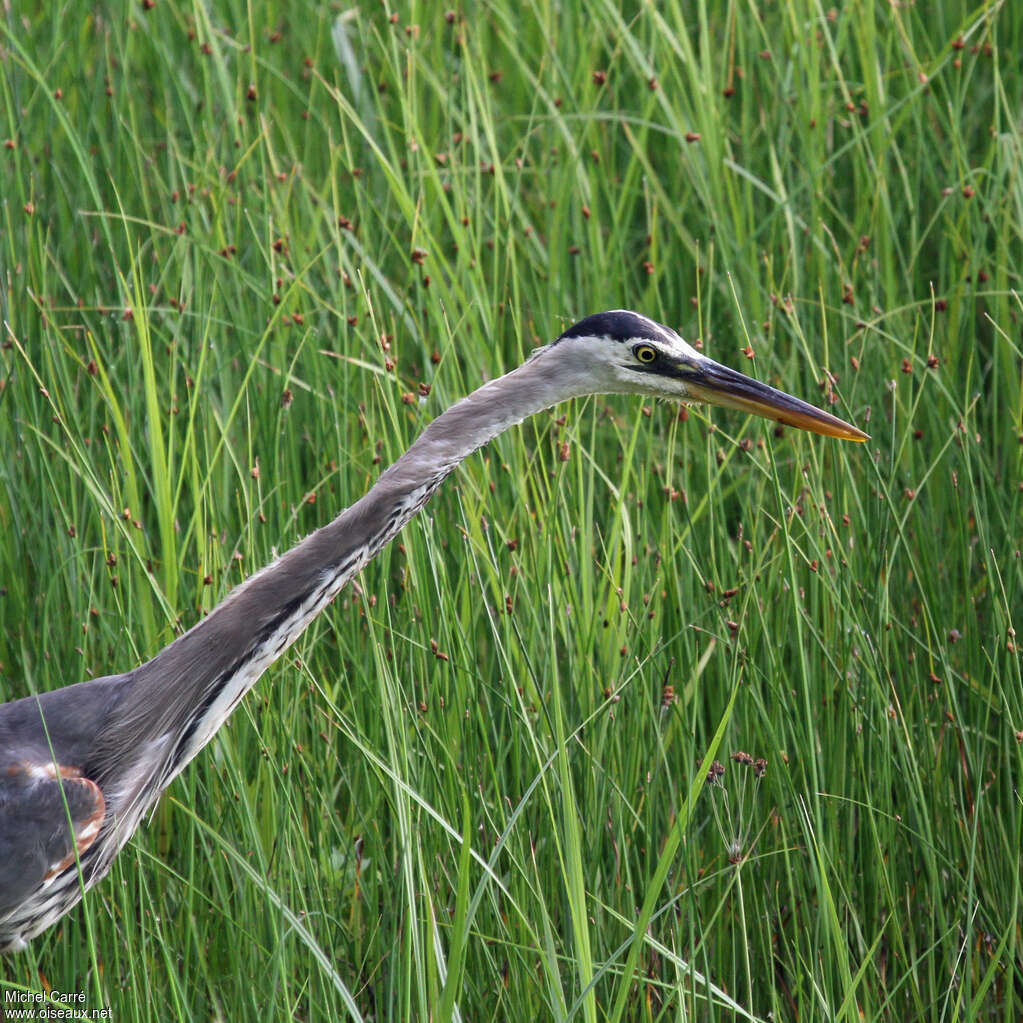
x,y
632,354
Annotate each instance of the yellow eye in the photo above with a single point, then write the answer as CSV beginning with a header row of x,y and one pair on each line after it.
x,y
645,353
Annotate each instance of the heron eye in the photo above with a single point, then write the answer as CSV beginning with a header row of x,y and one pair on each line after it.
x,y
645,353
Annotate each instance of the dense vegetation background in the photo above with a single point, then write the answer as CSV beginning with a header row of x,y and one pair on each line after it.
x,y
249,249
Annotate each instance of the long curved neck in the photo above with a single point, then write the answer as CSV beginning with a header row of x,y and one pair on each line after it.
x,y
184,693
361,531
454,435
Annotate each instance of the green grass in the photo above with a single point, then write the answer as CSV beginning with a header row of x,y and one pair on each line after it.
x,y
234,241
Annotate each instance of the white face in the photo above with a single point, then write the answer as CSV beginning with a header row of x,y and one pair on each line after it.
x,y
625,353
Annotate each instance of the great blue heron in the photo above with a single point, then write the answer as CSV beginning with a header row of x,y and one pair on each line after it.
x,y
79,766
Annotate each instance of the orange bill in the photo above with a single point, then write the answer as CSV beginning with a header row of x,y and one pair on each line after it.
x,y
710,382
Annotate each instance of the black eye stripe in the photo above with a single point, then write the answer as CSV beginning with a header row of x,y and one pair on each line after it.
x,y
661,366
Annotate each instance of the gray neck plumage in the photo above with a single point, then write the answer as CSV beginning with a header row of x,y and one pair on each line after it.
x,y
184,694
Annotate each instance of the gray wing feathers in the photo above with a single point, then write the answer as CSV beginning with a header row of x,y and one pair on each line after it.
x,y
37,841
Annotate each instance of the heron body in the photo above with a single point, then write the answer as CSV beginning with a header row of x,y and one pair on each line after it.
x,y
80,766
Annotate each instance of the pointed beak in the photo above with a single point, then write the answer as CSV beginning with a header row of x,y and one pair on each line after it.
x,y
710,382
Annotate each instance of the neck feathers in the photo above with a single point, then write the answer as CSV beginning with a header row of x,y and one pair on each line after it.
x,y
192,685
